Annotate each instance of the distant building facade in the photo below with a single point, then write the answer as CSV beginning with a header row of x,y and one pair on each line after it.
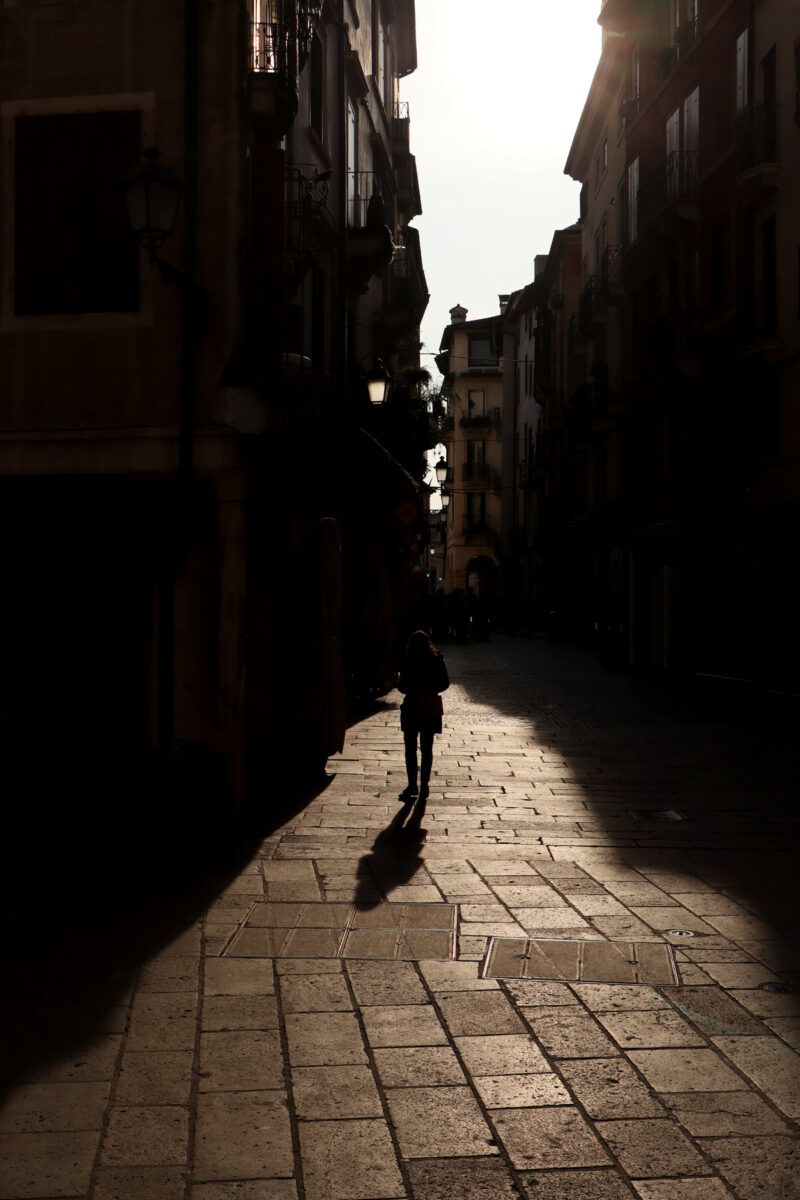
x,y
522,424
470,358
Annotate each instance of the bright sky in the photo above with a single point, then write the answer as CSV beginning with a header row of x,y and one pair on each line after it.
x,y
494,105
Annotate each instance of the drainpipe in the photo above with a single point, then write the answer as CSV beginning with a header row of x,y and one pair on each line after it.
x,y
191,309
341,277
190,314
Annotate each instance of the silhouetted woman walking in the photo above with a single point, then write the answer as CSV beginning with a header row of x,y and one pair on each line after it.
x,y
422,678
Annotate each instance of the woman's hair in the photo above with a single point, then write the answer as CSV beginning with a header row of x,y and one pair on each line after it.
x,y
419,644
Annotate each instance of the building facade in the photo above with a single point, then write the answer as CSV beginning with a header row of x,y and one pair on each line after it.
x,y
470,359
187,434
522,421
683,521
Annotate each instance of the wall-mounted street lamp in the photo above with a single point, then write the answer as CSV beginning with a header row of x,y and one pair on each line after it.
x,y
445,498
152,195
379,383
441,470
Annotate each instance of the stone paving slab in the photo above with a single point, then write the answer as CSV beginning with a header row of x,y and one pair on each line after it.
x,y
243,1055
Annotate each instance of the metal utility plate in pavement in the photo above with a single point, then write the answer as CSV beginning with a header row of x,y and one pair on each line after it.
x,y
661,815
284,929
580,961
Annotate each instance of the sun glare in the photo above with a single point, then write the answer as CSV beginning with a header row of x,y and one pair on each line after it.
x,y
494,106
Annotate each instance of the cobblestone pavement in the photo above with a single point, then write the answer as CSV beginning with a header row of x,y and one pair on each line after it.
x,y
294,1028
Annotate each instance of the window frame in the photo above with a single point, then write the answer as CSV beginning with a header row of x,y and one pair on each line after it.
x,y
145,103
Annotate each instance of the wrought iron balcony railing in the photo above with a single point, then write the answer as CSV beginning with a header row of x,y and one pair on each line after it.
x,y
472,472
476,421
673,182
610,268
280,36
756,136
476,529
364,202
269,46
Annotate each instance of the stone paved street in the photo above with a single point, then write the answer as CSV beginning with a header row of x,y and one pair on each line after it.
x,y
320,1020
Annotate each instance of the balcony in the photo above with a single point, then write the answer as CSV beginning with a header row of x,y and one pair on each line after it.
x,y
670,194
481,423
407,292
476,473
370,247
273,65
757,165
683,38
592,311
476,532
401,125
306,200
611,274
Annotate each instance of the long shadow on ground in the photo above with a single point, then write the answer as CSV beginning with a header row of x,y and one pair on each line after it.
x,y
105,871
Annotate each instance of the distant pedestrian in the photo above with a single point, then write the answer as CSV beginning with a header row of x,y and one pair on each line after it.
x,y
422,677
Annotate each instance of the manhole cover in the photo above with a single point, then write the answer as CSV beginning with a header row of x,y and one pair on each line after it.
x,y
658,814
681,933
337,930
580,961
782,989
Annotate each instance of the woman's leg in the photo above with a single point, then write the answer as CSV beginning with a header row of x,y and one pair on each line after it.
x,y
426,760
410,739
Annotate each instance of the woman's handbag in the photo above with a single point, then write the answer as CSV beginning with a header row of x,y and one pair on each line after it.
x,y
430,704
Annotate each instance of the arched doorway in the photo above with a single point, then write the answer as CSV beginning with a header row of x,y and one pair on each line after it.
x,y
482,576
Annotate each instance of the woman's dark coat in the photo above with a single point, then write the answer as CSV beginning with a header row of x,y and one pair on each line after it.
x,y
426,676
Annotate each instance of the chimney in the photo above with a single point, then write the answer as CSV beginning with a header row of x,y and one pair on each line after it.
x,y
504,299
458,315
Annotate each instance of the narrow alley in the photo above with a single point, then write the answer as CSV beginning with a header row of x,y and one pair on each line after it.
x,y
572,977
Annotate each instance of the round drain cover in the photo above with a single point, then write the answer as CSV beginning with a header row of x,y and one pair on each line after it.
x,y
681,933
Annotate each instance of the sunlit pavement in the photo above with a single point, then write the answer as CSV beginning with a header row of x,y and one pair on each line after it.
x,y
249,1054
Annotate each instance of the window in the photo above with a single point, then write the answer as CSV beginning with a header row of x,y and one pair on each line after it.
x,y
382,67
742,85
476,454
691,141
476,509
475,465
352,163
601,160
769,77
316,88
633,200
673,146
476,404
480,351
73,250
386,70
635,75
